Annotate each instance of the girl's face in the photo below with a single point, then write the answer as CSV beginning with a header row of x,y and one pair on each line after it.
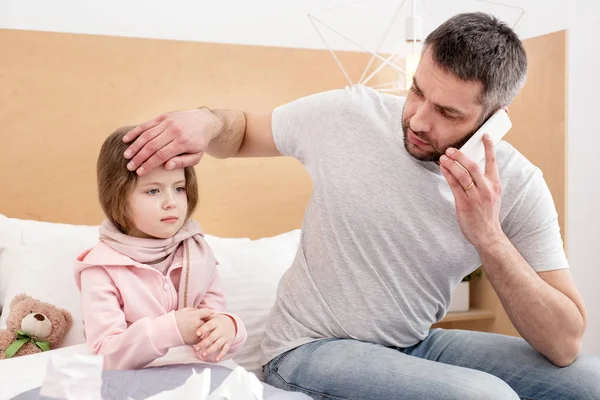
x,y
158,204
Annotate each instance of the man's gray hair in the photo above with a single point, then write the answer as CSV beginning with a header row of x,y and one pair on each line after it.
x,y
478,47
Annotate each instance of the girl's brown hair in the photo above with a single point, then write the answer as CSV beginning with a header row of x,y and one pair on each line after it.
x,y
115,181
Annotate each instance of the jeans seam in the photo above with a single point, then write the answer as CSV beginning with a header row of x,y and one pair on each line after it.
x,y
273,367
278,360
307,391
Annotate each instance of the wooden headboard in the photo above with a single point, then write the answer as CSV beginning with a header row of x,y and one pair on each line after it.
x,y
62,94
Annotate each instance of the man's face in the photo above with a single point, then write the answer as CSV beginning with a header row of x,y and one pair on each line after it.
x,y
441,111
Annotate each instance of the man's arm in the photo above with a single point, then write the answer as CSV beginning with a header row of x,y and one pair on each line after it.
x,y
546,308
181,138
243,135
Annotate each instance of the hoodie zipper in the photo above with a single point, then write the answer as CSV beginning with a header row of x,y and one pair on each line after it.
x,y
166,286
170,299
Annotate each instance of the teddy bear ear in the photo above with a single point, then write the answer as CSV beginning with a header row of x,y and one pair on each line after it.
x,y
18,298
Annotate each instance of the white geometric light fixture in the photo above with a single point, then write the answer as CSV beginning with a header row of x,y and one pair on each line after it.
x,y
409,49
414,41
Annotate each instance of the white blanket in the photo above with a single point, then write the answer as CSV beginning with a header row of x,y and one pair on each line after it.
x,y
20,374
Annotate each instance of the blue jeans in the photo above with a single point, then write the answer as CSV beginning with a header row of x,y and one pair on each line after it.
x,y
448,364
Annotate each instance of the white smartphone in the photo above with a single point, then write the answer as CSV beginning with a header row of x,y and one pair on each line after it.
x,y
496,126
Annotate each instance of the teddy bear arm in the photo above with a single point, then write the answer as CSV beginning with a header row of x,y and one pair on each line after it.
x,y
6,338
27,349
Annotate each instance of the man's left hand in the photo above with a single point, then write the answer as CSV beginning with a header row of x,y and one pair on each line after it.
x,y
477,195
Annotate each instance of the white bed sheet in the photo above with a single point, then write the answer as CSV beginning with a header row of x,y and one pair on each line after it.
x,y
20,374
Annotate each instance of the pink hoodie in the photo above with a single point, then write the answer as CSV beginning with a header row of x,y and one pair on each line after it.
x,y
129,307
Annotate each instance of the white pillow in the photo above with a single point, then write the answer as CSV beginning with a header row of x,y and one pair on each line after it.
x,y
250,273
45,272
11,237
37,257
12,231
221,242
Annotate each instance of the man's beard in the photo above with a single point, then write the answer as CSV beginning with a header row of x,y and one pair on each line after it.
x,y
433,155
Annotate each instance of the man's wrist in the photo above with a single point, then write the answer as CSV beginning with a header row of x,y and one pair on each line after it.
x,y
218,121
493,246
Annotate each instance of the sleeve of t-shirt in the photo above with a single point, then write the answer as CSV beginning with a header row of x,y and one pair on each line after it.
x,y
537,236
299,127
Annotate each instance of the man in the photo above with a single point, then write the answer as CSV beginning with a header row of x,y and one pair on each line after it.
x,y
394,223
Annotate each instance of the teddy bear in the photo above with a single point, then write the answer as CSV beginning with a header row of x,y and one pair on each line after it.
x,y
32,327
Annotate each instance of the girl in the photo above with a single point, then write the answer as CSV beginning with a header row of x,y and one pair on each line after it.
x,y
151,282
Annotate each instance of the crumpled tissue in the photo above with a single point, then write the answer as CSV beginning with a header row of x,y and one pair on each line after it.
x,y
239,385
79,377
73,376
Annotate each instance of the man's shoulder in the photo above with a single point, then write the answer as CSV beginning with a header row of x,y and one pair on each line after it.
x,y
368,94
359,95
364,102
512,162
355,100
517,172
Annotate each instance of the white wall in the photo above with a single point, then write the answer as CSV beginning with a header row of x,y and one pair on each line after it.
x,y
584,161
263,22
284,23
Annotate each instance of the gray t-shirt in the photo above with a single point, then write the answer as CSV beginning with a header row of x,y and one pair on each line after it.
x,y
381,249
